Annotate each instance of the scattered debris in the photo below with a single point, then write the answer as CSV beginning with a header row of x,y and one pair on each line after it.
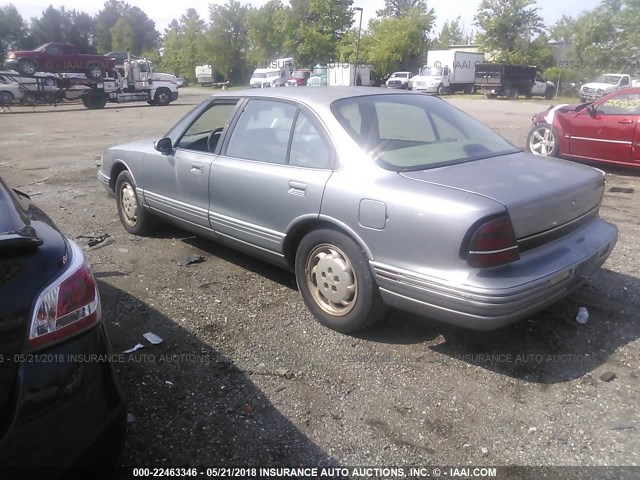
x,y
583,315
167,382
532,429
484,450
190,260
622,190
137,346
624,426
466,445
34,183
279,389
607,376
130,418
284,372
152,338
290,322
247,409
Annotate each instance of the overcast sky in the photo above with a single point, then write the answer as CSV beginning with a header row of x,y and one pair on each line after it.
x,y
163,12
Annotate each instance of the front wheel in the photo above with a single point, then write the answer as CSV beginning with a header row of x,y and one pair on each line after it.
x,y
440,91
162,97
548,94
6,98
543,140
133,216
336,281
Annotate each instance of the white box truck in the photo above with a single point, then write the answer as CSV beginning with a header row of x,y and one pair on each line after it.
x,y
346,74
448,71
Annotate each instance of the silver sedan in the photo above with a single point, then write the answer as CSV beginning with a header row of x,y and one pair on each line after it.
x,y
374,198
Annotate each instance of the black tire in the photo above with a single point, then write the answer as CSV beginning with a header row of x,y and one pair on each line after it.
x,y
134,217
151,102
26,67
543,140
440,90
548,94
29,99
95,72
162,97
94,100
50,82
6,98
348,300
512,94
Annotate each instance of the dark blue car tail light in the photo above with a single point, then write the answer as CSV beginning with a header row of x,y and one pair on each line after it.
x,y
68,306
493,243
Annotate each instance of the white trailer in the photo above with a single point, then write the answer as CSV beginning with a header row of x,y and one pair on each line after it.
x,y
347,74
204,74
448,71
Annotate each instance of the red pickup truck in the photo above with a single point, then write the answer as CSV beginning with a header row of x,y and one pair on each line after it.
x,y
59,58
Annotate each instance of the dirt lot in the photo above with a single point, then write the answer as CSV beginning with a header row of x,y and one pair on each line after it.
x,y
245,376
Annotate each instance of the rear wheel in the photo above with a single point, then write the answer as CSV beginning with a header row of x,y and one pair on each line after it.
x,y
548,94
543,140
29,99
512,93
95,72
50,82
26,67
336,281
133,215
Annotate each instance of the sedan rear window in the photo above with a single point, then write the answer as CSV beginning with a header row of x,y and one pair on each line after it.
x,y
413,132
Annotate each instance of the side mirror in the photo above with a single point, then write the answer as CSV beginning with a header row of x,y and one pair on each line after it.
x,y
164,146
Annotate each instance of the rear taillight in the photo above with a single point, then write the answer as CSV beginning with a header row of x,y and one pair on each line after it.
x,y
70,305
493,243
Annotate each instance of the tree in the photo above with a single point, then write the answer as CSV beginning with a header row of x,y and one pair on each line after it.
x,y
508,25
403,8
142,33
184,45
13,29
451,34
227,40
267,31
60,25
317,27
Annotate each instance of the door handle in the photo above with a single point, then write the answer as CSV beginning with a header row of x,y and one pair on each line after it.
x,y
297,188
625,122
196,168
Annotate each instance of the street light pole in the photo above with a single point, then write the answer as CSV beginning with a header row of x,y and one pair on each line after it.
x,y
355,70
224,54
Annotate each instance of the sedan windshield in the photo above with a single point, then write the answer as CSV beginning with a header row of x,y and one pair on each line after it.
x,y
415,132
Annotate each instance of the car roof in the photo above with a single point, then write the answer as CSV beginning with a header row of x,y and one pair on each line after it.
x,y
311,96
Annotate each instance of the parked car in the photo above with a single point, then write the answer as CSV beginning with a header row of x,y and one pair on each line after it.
x,y
399,80
59,58
181,82
372,197
606,130
14,88
318,76
605,84
299,78
57,405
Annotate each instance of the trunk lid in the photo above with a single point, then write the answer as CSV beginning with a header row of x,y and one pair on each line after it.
x,y
31,255
539,193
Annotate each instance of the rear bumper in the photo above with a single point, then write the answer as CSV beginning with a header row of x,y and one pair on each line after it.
x,y
66,399
499,296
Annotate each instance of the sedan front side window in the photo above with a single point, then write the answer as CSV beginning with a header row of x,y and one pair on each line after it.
x,y
262,132
206,130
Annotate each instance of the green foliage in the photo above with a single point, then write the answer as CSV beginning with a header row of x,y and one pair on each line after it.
x,y
13,29
184,45
508,28
227,42
267,28
403,8
451,34
135,30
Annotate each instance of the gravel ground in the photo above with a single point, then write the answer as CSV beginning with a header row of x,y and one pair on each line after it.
x,y
246,377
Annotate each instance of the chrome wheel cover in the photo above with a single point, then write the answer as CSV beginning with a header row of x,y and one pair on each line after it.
x,y
129,203
542,141
331,279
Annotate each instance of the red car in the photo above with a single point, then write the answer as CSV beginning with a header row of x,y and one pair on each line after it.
x,y
59,58
299,78
606,130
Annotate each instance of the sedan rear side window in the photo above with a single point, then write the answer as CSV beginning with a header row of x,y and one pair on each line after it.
x,y
262,132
